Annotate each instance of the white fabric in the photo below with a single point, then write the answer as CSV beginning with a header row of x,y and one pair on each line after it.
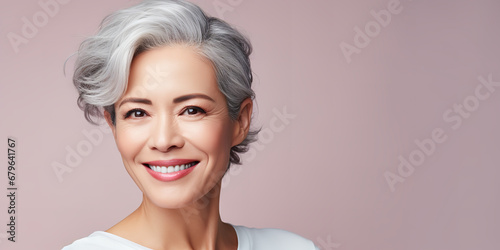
x,y
248,239
271,239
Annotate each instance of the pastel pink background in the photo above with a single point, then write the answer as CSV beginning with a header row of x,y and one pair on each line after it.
x,y
321,175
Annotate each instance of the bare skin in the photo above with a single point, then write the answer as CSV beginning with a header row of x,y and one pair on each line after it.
x,y
158,228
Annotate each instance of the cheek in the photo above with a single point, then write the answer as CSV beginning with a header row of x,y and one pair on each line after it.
x,y
211,136
130,141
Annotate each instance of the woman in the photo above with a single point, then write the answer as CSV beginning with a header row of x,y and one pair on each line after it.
x,y
174,85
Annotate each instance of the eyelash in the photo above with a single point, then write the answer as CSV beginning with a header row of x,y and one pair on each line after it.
x,y
144,113
194,108
129,113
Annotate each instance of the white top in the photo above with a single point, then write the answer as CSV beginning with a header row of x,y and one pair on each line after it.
x,y
248,239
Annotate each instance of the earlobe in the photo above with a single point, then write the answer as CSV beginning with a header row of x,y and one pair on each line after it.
x,y
242,124
109,121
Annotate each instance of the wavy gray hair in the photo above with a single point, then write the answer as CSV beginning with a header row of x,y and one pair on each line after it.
x,y
103,61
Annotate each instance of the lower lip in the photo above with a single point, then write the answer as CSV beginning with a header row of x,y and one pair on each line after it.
x,y
170,176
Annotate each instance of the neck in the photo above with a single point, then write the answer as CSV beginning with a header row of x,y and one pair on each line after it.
x,y
196,226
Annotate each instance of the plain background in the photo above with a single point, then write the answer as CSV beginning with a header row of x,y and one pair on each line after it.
x,y
319,174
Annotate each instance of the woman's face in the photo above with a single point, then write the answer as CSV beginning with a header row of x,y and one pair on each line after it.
x,y
172,126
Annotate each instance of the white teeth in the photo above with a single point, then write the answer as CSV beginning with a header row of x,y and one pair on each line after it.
x,y
171,169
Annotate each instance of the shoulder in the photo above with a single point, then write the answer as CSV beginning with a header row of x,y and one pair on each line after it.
x,y
270,238
100,240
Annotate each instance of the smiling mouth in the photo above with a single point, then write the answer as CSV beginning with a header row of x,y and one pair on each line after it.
x,y
171,169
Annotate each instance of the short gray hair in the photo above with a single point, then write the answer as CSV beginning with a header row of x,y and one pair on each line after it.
x,y
103,61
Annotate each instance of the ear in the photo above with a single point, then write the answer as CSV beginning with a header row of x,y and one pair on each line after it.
x,y
109,121
242,123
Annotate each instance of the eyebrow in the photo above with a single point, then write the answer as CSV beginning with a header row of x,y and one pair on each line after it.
x,y
176,100
192,96
136,100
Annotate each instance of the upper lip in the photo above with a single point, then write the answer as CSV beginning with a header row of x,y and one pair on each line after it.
x,y
167,163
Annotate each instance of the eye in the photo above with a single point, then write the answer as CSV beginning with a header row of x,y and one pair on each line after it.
x,y
135,113
193,111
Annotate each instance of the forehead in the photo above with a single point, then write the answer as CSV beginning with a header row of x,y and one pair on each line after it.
x,y
174,68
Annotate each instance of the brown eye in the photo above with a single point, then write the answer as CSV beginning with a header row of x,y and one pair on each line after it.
x,y
135,113
138,113
193,111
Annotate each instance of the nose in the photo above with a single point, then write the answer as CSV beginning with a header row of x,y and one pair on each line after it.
x,y
165,135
